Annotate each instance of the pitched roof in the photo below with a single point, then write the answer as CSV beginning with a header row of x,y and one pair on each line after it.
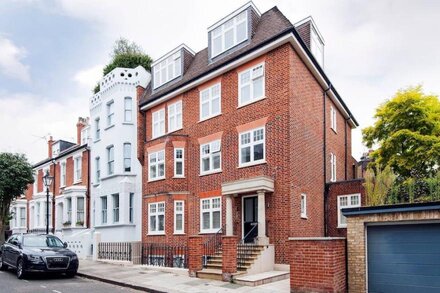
x,y
270,24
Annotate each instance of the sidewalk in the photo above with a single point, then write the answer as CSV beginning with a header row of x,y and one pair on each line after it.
x,y
150,280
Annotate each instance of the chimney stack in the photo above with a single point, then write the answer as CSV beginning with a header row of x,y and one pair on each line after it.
x,y
49,146
82,122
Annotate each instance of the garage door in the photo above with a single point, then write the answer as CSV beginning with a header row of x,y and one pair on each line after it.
x,y
404,258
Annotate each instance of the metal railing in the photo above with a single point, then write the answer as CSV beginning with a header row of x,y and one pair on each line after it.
x,y
212,246
245,251
115,251
164,255
255,226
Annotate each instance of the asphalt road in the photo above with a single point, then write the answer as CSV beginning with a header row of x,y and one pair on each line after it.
x,y
55,284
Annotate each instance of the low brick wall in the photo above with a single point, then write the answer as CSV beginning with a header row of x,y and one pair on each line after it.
x,y
356,242
317,264
195,254
229,265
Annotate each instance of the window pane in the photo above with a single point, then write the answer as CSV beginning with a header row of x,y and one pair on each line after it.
x,y
246,154
258,134
245,94
205,221
153,172
241,32
205,110
205,204
161,222
216,203
258,88
258,152
245,77
354,200
161,170
205,164
343,201
217,45
216,161
343,219
179,168
153,223
229,38
179,222
178,154
245,138
216,220
215,106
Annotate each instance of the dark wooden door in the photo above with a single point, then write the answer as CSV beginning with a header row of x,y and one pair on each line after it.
x,y
250,218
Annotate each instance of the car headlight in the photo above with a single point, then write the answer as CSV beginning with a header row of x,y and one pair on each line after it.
x,y
34,258
74,257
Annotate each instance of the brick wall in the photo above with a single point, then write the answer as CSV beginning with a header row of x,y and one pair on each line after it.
x,y
356,242
334,190
229,252
317,265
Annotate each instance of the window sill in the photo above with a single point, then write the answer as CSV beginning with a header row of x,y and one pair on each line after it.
x,y
251,102
110,126
179,233
97,140
174,130
114,225
208,118
127,123
210,173
156,234
251,164
334,130
156,137
96,184
209,232
78,181
342,226
178,177
156,179
304,217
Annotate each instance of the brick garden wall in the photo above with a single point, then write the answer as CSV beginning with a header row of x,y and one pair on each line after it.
x,y
317,265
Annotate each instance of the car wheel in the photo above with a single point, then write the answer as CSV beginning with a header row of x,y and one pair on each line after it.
x,y
3,266
20,269
70,274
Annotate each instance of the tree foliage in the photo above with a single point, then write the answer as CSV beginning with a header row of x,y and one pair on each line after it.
x,y
128,55
407,132
15,175
378,185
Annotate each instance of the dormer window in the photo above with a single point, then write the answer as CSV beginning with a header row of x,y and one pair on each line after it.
x,y
316,46
168,69
229,34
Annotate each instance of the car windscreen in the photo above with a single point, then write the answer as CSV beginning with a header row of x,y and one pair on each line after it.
x,y
42,241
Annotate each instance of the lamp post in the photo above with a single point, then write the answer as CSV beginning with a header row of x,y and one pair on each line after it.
x,y
47,180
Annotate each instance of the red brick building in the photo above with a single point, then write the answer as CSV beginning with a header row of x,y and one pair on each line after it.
x,y
242,136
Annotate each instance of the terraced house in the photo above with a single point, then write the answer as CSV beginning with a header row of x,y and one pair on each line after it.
x,y
242,137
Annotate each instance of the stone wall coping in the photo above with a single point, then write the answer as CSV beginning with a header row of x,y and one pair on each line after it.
x,y
398,208
315,238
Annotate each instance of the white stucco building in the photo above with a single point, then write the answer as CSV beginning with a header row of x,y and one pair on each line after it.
x,y
115,172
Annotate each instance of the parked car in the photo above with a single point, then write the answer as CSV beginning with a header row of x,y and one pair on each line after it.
x,y
29,253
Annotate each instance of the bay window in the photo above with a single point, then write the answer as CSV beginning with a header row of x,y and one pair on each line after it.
x,y
210,214
156,218
158,123
179,162
179,217
156,165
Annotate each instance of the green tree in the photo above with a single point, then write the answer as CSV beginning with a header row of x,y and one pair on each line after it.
x,y
407,133
128,55
378,185
15,175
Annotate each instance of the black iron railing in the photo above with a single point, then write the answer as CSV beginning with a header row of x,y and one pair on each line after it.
x,y
247,249
115,251
164,255
212,246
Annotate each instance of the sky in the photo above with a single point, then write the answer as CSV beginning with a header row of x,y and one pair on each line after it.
x,y
52,53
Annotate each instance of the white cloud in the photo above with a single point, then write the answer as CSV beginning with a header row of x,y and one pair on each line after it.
x,y
26,117
11,60
88,77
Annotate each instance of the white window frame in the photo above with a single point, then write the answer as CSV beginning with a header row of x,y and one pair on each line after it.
x,y
97,129
78,211
252,144
128,110
349,205
211,211
156,214
131,207
213,151
209,101
303,205
333,119
22,220
116,208
333,174
179,160
220,31
126,157
110,160
77,169
157,163
250,83
316,46
104,212
35,186
69,209
171,66
98,170
158,123
178,212
175,112
63,176
110,113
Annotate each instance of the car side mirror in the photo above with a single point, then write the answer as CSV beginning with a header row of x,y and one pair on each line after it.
x,y
65,244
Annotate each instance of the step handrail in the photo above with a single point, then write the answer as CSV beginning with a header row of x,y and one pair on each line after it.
x,y
248,233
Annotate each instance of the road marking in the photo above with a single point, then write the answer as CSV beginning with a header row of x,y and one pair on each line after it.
x,y
26,281
56,291
43,286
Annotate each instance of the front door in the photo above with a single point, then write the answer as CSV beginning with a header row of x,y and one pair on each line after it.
x,y
250,218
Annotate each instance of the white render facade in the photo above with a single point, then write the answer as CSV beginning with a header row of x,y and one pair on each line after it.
x,y
18,210
115,172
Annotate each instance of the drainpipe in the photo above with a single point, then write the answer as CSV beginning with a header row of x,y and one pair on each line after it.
x,y
324,152
345,147
53,195
87,203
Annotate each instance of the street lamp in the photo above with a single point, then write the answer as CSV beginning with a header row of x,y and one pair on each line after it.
x,y
47,180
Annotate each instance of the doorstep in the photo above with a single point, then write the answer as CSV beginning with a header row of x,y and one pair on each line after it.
x,y
261,278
